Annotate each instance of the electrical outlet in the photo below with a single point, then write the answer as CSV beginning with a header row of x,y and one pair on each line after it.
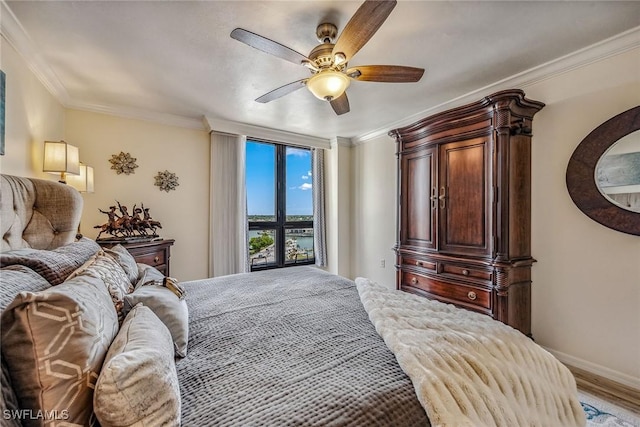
x,y
382,263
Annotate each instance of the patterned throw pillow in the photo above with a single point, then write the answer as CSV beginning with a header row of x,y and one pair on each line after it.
x,y
15,279
111,274
54,343
54,265
138,384
128,263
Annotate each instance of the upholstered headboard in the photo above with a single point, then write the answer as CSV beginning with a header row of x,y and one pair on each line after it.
x,y
36,213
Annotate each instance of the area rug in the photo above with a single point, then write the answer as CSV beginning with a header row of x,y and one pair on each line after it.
x,y
602,413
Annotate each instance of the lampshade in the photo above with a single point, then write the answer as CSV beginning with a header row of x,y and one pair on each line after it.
x,y
328,85
62,158
83,182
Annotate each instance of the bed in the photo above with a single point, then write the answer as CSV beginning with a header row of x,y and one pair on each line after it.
x,y
297,346
289,348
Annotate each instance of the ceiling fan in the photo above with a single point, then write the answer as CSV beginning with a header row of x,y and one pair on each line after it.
x,y
328,61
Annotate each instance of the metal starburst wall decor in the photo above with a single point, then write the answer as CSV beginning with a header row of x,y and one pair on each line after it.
x,y
123,163
166,180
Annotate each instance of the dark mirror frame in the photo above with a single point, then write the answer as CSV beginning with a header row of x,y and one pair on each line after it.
x,y
581,181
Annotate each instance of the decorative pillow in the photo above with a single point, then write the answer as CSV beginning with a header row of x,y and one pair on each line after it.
x,y
138,384
54,343
54,265
148,275
16,279
112,275
171,310
128,263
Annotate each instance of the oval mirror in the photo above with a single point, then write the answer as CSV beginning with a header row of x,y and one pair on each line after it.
x,y
618,173
601,173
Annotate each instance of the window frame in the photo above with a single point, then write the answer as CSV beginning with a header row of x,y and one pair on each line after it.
x,y
280,224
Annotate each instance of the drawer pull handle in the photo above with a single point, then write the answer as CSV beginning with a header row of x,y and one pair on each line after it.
x,y
156,259
434,197
418,263
414,280
465,272
472,295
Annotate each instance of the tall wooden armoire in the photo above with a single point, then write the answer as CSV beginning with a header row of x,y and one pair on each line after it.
x,y
464,220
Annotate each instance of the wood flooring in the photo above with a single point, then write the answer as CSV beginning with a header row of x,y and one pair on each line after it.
x,y
618,394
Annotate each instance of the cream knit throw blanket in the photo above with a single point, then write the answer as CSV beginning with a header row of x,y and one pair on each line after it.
x,y
468,369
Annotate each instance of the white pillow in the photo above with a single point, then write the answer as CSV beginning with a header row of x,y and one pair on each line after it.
x,y
138,384
171,310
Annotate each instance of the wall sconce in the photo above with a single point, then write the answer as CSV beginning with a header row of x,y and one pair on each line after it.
x,y
62,158
83,182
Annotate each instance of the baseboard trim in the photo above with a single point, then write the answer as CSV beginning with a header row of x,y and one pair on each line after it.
x,y
595,369
614,392
618,388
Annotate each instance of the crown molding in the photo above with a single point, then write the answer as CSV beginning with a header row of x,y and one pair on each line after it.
x,y
140,114
15,34
596,52
267,134
339,140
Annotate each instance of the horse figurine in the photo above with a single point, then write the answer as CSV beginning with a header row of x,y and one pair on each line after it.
x,y
128,225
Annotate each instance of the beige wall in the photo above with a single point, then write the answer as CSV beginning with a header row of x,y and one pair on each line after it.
x,y
185,152
338,190
374,210
32,115
586,290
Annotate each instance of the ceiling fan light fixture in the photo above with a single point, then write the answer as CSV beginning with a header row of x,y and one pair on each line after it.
x,y
328,85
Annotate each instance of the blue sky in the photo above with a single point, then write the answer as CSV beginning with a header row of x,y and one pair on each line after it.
x,y
260,177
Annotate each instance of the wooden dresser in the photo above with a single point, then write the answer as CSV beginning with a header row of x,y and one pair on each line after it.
x,y
156,253
464,220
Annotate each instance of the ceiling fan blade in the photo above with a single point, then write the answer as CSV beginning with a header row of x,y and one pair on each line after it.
x,y
282,91
341,104
268,46
362,26
386,73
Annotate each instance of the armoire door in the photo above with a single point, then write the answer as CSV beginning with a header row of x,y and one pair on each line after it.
x,y
464,203
418,193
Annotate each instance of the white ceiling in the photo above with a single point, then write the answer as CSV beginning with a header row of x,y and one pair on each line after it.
x,y
175,59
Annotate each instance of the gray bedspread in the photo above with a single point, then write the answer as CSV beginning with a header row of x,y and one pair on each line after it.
x,y
289,347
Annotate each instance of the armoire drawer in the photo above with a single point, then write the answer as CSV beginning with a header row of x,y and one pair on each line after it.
x,y
414,262
469,296
465,272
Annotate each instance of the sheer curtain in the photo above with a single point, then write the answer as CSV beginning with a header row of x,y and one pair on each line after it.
x,y
228,252
319,223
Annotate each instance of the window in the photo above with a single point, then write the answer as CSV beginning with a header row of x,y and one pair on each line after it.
x,y
279,205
